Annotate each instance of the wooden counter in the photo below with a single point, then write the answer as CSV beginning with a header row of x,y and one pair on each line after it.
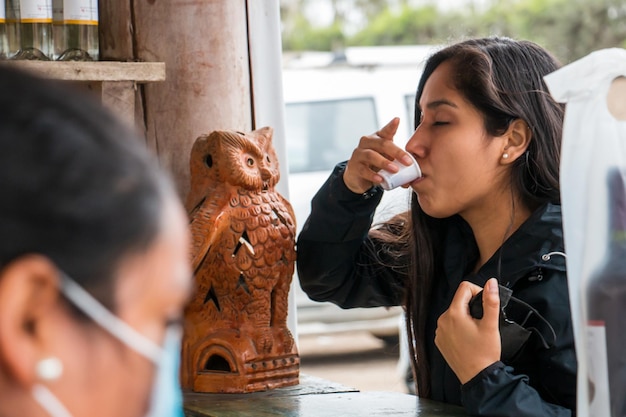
x,y
315,397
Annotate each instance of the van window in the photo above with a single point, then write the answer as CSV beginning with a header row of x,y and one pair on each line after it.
x,y
409,104
321,133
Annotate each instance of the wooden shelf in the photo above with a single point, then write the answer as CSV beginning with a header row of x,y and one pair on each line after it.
x,y
114,82
139,72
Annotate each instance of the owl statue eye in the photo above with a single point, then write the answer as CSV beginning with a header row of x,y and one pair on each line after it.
x,y
208,161
250,162
267,158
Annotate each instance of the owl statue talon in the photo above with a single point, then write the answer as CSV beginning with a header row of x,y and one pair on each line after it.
x,y
284,337
243,255
264,341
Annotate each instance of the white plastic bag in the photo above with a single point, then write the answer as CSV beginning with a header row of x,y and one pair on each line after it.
x,y
593,198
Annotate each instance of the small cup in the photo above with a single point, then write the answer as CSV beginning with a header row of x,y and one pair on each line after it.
x,y
405,174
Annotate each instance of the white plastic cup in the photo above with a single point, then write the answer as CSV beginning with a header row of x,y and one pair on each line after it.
x,y
405,174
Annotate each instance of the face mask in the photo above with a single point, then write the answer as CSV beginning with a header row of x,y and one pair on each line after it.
x,y
166,396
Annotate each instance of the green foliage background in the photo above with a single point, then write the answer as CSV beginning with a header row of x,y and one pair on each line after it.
x,y
568,28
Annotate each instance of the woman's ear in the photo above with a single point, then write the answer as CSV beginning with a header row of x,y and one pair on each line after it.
x,y
29,293
517,138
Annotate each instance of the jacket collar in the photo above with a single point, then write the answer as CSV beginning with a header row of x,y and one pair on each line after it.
x,y
521,254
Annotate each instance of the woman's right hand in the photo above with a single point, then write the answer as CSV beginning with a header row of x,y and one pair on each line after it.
x,y
375,152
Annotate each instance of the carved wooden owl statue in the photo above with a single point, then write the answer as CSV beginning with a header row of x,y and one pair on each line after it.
x,y
236,337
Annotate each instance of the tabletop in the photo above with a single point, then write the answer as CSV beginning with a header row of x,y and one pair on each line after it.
x,y
315,397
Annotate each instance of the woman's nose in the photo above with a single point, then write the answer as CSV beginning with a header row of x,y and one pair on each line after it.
x,y
417,143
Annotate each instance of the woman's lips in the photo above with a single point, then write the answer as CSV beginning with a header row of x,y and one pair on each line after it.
x,y
417,180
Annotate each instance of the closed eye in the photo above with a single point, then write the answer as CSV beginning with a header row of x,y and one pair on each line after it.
x,y
440,123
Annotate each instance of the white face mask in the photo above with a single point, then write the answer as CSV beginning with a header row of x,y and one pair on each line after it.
x,y
166,396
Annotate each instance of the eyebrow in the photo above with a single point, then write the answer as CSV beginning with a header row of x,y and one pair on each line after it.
x,y
442,102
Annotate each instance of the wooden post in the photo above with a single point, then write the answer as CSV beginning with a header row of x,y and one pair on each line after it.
x,y
206,48
116,30
116,44
204,45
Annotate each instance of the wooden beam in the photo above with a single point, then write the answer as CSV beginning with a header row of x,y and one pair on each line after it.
x,y
116,30
119,96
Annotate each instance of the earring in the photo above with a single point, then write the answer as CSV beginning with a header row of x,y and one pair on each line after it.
x,y
505,155
49,369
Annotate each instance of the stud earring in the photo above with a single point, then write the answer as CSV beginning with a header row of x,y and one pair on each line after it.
x,y
49,369
505,155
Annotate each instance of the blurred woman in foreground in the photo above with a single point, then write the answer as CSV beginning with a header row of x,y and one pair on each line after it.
x,y
93,261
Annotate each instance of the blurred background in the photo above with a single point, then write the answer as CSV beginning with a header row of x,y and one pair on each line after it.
x,y
568,28
349,66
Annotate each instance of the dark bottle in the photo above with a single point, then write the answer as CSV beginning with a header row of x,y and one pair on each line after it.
x,y
606,309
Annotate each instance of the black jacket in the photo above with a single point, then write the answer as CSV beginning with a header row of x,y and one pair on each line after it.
x,y
337,262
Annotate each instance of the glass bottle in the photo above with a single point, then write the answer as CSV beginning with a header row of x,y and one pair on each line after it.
x,y
4,46
606,308
13,27
80,23
58,37
35,30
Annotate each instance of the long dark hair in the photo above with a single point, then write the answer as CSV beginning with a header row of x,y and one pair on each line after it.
x,y
503,79
76,185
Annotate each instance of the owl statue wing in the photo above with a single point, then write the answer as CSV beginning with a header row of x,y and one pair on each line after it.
x,y
205,225
290,212
199,182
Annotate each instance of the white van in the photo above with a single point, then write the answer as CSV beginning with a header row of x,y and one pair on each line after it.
x,y
330,102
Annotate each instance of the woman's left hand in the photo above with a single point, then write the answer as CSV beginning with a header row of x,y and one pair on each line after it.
x,y
467,344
